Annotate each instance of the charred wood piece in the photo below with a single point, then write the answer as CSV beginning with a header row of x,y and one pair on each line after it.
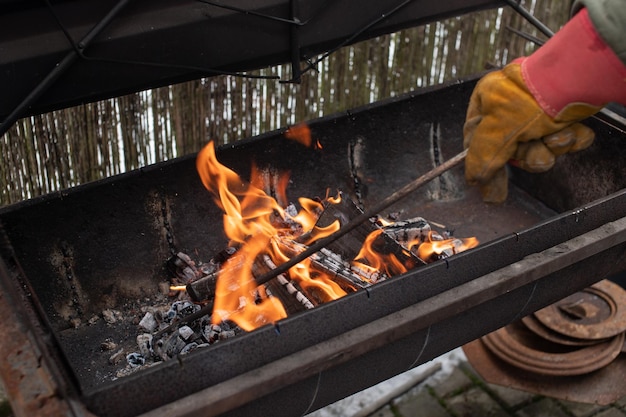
x,y
413,233
290,286
343,211
203,289
185,270
287,291
454,246
409,231
349,277
330,263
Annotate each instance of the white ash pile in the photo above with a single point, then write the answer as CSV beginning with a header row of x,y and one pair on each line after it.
x,y
165,334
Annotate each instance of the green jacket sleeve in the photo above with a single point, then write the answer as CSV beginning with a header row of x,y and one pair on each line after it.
x,y
609,19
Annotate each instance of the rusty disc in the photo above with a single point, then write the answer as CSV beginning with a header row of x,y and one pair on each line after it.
x,y
520,347
539,329
597,312
602,387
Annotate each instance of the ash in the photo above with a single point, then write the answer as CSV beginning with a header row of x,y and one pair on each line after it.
x,y
168,331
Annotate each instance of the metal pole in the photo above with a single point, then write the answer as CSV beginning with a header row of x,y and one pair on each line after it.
x,y
532,19
59,69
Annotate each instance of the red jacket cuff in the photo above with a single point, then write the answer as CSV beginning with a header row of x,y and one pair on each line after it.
x,y
575,66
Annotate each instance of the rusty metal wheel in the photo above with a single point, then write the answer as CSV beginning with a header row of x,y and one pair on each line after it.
x,y
595,313
518,346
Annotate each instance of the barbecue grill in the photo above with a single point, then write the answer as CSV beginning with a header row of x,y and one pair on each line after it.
x,y
68,256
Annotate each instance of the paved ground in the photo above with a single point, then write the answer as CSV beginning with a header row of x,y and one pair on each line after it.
x,y
456,390
464,393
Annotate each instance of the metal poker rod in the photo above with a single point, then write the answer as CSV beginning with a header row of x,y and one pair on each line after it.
x,y
363,217
532,19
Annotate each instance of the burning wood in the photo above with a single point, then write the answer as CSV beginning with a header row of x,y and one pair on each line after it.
x,y
268,234
289,285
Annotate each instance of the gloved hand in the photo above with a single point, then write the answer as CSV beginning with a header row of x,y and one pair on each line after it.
x,y
528,111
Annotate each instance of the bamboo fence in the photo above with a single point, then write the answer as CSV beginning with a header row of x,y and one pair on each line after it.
x,y
62,149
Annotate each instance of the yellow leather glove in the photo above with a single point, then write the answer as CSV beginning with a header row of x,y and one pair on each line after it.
x,y
528,111
504,122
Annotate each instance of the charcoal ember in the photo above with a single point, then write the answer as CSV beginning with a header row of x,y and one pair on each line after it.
x,y
144,342
184,260
158,317
189,348
394,215
186,333
160,349
169,346
172,343
164,288
218,259
180,310
117,357
188,274
287,222
291,210
226,334
108,345
135,359
215,332
111,316
148,323
183,267
185,270
209,268
211,332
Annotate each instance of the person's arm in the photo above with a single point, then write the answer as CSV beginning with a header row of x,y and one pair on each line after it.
x,y
609,20
528,111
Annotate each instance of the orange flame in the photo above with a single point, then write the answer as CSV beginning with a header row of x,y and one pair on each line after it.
x,y
430,247
264,179
374,261
301,133
249,220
